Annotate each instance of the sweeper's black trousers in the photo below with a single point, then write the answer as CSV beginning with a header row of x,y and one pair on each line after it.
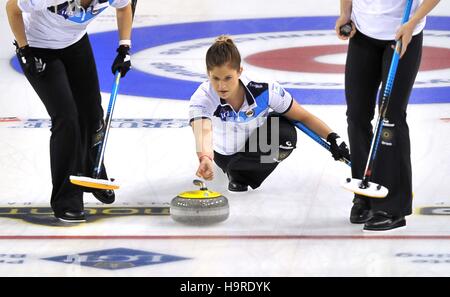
x,y
268,145
367,66
69,89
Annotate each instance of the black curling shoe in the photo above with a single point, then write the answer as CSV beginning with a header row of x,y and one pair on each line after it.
x,y
360,213
105,196
382,221
72,217
237,187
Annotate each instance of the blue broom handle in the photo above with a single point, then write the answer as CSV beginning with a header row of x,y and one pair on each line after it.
x,y
386,95
112,103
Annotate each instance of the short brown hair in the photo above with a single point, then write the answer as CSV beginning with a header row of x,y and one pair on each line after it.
x,y
223,51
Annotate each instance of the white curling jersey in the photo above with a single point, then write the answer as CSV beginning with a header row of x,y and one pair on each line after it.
x,y
380,19
57,24
232,128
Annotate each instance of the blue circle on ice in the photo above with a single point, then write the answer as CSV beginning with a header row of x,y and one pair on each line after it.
x,y
145,84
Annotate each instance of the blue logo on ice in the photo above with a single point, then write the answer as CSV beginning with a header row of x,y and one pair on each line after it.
x,y
114,259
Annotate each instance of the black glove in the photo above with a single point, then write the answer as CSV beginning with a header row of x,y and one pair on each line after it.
x,y
338,148
30,64
122,62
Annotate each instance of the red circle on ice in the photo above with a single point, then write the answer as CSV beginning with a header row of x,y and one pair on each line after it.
x,y
304,59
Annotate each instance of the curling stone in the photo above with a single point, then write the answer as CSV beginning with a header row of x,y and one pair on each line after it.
x,y
200,207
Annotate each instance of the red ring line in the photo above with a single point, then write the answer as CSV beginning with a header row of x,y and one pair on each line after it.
x,y
302,59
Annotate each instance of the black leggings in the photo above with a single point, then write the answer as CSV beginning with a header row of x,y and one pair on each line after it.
x,y
253,165
367,67
69,89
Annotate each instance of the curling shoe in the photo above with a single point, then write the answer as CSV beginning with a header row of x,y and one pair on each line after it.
x,y
360,212
105,196
72,217
382,221
237,187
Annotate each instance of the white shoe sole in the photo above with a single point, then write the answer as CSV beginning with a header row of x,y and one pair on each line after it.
x,y
384,231
71,221
239,192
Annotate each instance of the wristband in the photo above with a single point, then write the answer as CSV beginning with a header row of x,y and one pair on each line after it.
x,y
125,42
200,158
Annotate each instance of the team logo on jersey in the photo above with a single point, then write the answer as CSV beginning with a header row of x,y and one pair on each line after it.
x,y
223,112
255,85
76,13
249,113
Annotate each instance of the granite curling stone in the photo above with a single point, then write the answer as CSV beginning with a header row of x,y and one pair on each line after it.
x,y
200,207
